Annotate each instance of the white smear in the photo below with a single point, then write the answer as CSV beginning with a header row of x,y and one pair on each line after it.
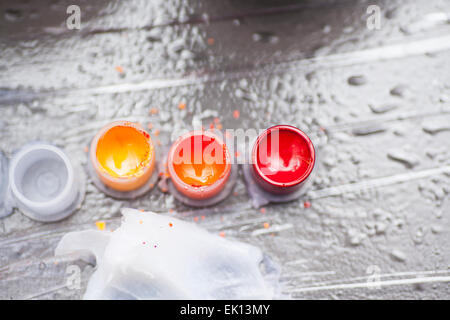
x,y
375,284
377,182
275,228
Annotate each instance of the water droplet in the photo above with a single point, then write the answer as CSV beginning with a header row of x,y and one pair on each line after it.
x,y
382,108
354,237
369,129
406,158
418,236
435,126
398,255
398,91
357,80
12,15
265,37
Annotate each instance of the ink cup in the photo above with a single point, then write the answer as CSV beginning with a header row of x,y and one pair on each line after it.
x,y
44,184
122,160
6,203
282,161
200,170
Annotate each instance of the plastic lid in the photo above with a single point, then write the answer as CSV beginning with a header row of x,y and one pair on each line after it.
x,y
5,200
44,184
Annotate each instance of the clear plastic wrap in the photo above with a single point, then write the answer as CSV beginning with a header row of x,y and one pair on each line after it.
x,y
153,256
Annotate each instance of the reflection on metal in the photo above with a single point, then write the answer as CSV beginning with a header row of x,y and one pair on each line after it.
x,y
389,52
313,194
376,183
373,284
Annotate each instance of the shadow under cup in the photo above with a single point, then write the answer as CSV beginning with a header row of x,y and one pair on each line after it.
x,y
43,182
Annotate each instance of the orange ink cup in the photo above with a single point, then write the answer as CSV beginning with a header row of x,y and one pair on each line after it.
x,y
199,164
122,154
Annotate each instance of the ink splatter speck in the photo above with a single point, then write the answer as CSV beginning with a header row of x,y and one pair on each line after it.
x,y
100,225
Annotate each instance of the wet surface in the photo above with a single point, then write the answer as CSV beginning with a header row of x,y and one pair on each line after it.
x,y
376,104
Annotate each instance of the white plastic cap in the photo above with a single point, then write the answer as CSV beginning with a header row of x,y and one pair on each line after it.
x,y
43,183
5,200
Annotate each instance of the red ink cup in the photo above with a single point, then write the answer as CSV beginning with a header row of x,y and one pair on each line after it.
x,y
283,158
199,164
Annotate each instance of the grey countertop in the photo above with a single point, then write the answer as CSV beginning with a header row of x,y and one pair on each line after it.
x,y
376,103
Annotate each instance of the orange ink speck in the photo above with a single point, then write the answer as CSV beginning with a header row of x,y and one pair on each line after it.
x,y
307,204
219,126
263,210
119,69
149,126
211,41
203,217
266,225
153,111
195,219
237,154
170,224
211,126
86,149
222,234
182,106
141,210
100,225
216,120
236,114
171,210
156,132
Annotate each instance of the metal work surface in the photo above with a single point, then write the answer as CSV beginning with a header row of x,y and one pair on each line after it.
x,y
376,104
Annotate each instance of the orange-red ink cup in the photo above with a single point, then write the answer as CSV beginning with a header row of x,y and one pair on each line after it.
x,y
283,158
123,156
199,164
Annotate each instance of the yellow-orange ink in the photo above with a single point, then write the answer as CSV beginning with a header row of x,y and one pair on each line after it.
x,y
123,151
100,225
